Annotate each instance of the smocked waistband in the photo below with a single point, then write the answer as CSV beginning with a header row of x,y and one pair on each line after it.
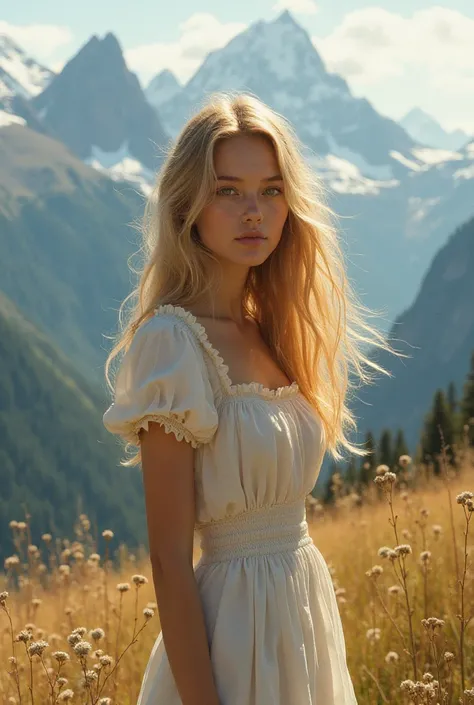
x,y
274,529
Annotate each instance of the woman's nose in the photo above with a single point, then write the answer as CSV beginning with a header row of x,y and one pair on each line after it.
x,y
252,210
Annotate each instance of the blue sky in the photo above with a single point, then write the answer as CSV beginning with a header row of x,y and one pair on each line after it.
x,y
397,54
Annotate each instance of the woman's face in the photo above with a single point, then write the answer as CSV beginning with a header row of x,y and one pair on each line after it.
x,y
249,196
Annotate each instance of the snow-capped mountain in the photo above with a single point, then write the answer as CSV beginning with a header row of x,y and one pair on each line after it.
x,y
97,106
20,75
277,61
425,129
163,87
398,199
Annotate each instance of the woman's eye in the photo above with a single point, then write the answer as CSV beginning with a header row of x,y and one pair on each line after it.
x,y
224,189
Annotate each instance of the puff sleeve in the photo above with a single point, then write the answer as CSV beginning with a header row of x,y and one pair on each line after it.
x,y
162,377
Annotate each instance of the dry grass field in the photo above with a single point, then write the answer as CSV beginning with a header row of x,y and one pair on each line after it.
x,y
401,558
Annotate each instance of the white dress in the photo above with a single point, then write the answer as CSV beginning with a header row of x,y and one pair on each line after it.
x,y
273,625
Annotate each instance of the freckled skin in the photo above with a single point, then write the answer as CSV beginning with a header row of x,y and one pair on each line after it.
x,y
245,205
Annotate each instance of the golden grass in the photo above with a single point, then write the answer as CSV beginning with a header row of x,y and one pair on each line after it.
x,y
77,632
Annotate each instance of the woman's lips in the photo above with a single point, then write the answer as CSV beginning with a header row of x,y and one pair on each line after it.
x,y
251,240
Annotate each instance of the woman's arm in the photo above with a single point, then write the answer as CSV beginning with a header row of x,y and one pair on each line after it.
x,y
168,477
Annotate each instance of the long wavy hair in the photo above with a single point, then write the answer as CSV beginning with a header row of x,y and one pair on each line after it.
x,y
308,313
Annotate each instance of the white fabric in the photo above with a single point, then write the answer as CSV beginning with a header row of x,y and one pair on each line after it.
x,y
274,629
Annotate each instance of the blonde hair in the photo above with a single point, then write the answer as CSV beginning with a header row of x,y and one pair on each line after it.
x,y
308,313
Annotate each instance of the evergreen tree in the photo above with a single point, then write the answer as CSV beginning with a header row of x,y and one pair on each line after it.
x,y
467,401
369,462
385,448
351,473
452,397
328,494
440,416
400,447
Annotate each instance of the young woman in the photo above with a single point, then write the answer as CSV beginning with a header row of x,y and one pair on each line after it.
x,y
232,386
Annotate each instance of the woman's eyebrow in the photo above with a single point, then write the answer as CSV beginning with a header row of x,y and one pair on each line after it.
x,y
276,177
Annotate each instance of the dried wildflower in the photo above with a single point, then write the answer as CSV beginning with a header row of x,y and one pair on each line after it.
x,y
105,660
469,696
36,648
470,507
384,552
404,461
424,512
448,656
403,550
381,469
23,636
148,613
61,656
97,634
123,587
392,657
108,534
105,701
408,687
139,580
428,677
82,648
374,572
11,561
3,597
463,497
432,623
425,556
65,695
89,677
437,529
373,634
386,480
394,590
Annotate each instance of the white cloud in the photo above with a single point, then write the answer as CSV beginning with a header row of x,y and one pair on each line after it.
x,y
372,44
199,34
399,62
302,7
39,40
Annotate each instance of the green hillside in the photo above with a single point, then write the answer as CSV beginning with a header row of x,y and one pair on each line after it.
x,y
65,236
56,458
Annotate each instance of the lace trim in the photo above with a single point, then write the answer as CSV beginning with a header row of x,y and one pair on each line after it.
x,y
170,425
243,388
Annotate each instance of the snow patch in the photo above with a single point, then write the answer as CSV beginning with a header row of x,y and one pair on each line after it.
x,y
343,176
435,156
420,207
120,166
467,173
10,119
405,161
378,172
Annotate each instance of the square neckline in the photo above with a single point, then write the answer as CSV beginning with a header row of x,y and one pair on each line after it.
x,y
231,389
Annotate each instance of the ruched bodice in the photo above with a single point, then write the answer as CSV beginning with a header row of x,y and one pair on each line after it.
x,y
272,620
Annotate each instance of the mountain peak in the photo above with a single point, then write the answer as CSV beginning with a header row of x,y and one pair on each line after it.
x,y
97,104
286,18
20,74
162,87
